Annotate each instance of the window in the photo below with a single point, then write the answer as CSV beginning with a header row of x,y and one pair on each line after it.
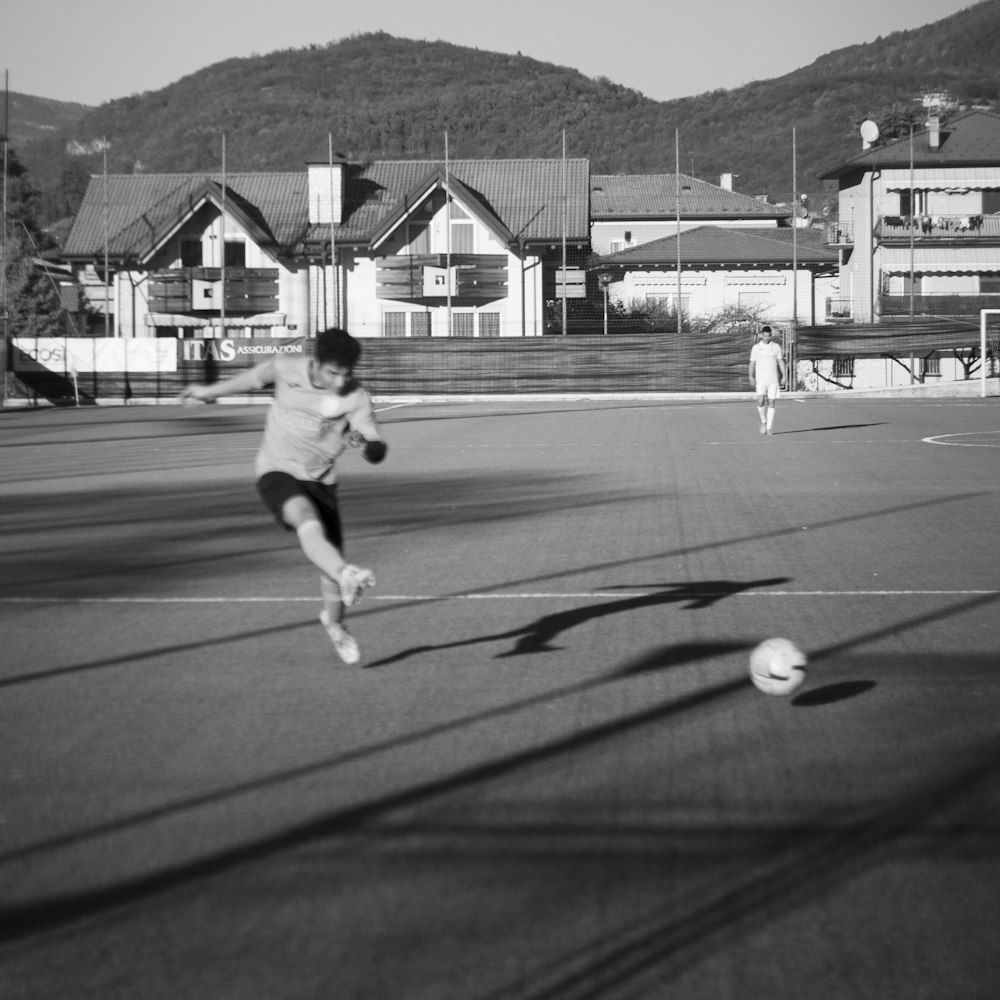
x,y
991,202
989,284
236,254
191,253
394,324
462,236
420,324
928,366
418,237
843,367
489,324
658,301
463,324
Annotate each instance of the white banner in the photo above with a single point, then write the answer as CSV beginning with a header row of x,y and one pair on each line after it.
x,y
66,355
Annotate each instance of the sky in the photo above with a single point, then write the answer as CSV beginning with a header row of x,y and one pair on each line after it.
x,y
99,50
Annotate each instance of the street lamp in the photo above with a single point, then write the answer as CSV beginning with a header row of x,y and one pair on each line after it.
x,y
604,278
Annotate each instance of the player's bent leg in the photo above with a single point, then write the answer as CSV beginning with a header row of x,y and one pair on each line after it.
x,y
322,553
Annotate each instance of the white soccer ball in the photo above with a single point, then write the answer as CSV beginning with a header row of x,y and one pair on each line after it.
x,y
778,666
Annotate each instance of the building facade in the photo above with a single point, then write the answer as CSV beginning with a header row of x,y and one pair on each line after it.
x,y
408,248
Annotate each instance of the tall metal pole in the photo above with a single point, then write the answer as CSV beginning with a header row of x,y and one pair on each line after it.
x,y
795,264
912,219
107,294
677,211
333,250
447,238
222,242
564,225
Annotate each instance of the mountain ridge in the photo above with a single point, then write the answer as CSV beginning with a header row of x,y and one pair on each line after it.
x,y
383,97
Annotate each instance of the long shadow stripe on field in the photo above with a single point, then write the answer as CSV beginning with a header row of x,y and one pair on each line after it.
x,y
673,656
726,542
666,942
30,918
147,654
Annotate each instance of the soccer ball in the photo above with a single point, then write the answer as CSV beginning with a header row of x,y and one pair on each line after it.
x,y
778,666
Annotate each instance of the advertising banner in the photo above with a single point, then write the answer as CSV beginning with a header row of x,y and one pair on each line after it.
x,y
84,355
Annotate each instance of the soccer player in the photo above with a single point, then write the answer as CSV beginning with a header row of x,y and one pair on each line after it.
x,y
318,410
767,370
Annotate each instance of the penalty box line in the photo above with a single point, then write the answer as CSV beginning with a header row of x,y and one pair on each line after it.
x,y
680,593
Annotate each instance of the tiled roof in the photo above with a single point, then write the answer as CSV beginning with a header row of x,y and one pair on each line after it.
x,y
731,247
139,204
969,139
525,195
654,196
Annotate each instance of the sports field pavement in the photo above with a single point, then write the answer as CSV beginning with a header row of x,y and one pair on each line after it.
x,y
552,779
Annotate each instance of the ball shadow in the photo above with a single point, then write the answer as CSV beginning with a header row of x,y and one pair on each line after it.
x,y
830,693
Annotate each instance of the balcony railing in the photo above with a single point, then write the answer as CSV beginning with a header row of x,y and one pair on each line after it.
x,y
899,228
840,233
938,227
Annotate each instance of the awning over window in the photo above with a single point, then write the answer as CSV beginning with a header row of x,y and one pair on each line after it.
x,y
957,260
237,322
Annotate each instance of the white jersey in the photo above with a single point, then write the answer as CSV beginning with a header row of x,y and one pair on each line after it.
x,y
305,426
765,355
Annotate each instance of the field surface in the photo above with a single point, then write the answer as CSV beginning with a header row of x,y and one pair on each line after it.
x,y
551,778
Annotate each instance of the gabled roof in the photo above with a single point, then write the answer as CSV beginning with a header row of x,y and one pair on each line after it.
x,y
523,196
626,197
517,199
439,179
143,208
715,246
969,139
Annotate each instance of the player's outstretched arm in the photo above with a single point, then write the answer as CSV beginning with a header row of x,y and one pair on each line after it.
x,y
233,386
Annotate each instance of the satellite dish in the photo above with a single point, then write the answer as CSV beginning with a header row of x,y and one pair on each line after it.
x,y
869,131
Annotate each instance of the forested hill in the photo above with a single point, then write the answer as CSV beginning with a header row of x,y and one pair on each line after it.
x,y
384,97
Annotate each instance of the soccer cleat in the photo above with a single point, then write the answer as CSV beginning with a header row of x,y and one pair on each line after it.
x,y
343,642
763,429
353,580
769,431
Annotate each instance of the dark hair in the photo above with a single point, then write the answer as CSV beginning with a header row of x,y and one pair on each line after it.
x,y
337,347
765,329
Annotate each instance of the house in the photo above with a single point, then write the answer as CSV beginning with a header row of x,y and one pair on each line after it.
x,y
627,210
410,248
918,231
781,275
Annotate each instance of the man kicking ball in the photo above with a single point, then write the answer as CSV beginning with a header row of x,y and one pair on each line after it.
x,y
318,410
767,371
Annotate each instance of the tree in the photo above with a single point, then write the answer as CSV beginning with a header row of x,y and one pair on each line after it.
x,y
31,302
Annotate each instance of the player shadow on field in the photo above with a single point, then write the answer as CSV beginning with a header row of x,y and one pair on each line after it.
x,y
834,427
539,636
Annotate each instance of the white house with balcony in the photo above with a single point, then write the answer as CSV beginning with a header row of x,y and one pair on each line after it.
x,y
469,248
918,231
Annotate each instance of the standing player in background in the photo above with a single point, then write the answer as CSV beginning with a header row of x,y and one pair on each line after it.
x,y
318,410
767,371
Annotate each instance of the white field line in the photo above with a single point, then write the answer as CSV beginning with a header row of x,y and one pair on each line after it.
x,y
679,593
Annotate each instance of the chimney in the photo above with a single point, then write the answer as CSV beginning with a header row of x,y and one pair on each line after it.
x,y
726,182
934,132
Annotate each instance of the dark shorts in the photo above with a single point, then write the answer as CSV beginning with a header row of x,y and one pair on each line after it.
x,y
277,487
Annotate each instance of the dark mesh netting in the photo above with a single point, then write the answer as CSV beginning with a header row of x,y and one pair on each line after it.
x,y
920,336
